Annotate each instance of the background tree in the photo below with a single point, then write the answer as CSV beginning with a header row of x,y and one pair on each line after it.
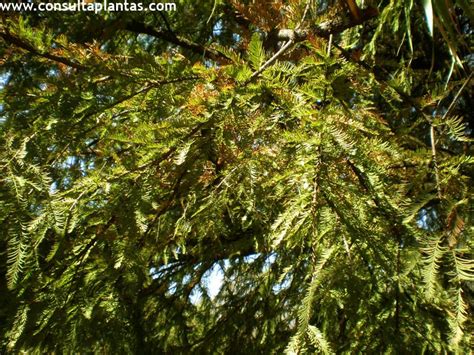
x,y
329,183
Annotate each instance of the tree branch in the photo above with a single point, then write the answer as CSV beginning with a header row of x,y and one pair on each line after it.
x,y
324,29
9,38
168,36
271,60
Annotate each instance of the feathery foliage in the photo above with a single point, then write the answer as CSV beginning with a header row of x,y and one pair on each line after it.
x,y
146,157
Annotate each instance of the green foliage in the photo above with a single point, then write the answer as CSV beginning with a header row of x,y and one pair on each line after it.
x,y
144,154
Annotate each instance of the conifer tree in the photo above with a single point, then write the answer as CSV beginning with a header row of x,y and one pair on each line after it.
x,y
316,156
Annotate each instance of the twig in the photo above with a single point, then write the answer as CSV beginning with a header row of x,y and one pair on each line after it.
x,y
165,20
451,105
292,35
435,161
329,45
305,12
433,139
271,60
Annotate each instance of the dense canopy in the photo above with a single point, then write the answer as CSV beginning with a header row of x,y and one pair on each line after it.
x,y
238,177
